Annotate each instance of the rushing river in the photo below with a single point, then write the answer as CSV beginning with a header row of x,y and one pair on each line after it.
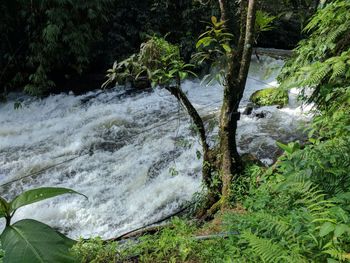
x,y
123,149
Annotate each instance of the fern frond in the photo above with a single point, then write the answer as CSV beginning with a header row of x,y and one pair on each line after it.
x,y
269,251
274,223
265,248
316,73
339,69
334,34
317,62
338,254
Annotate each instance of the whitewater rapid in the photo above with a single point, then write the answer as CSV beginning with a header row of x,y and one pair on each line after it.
x,y
124,149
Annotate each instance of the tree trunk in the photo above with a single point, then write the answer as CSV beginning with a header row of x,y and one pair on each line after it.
x,y
233,91
224,10
196,118
229,17
248,47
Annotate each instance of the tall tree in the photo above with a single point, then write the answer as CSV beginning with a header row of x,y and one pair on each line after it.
x,y
232,62
235,80
160,62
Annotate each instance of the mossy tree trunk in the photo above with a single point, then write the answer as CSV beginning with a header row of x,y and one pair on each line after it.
x,y
209,165
235,80
198,122
233,91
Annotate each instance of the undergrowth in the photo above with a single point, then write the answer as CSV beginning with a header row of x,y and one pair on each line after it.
x,y
296,211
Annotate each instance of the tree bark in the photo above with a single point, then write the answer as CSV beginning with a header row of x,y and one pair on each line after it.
x,y
233,91
248,47
196,118
224,10
228,16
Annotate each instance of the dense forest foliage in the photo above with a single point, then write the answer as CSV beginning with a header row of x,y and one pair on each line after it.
x,y
53,46
49,42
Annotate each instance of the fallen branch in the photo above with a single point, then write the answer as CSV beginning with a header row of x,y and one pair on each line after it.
x,y
275,53
149,228
218,235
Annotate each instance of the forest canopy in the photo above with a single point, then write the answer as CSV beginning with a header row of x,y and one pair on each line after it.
x,y
50,46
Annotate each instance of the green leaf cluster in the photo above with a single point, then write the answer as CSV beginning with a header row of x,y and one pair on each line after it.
x,y
214,47
322,61
173,244
158,61
216,44
95,250
263,22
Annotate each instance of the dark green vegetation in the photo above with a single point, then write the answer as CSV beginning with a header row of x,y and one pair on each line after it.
x,y
298,210
45,41
29,240
59,45
47,45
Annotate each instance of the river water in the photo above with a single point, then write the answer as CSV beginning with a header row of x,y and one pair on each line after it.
x,y
134,155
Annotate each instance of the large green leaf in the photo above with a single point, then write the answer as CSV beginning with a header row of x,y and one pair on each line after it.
x,y
341,229
205,41
29,241
326,228
284,147
37,195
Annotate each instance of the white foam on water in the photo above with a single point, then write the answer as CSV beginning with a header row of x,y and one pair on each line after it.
x,y
126,148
